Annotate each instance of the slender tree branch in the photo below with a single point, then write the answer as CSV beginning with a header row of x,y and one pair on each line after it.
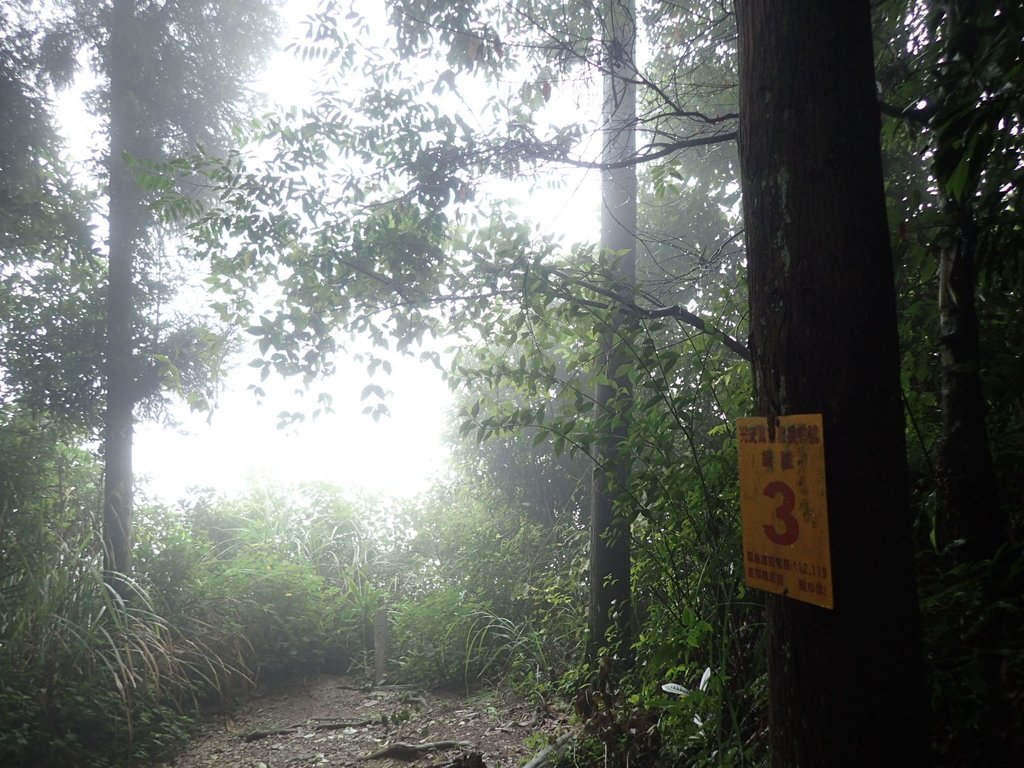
x,y
662,150
681,313
918,116
674,311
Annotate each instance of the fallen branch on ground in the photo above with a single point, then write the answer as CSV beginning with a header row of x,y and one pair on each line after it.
x,y
257,735
337,726
374,687
330,726
390,687
405,751
467,760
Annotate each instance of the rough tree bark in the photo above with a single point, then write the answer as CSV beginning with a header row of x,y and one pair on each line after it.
x,y
846,685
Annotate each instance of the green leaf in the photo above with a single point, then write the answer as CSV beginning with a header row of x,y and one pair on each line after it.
x,y
372,389
958,179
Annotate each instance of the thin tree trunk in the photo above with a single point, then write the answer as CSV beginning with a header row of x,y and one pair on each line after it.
x,y
969,516
124,226
845,685
610,557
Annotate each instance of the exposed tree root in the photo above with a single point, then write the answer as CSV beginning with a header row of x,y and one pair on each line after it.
x,y
552,751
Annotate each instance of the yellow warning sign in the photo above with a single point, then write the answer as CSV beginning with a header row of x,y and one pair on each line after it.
x,y
782,501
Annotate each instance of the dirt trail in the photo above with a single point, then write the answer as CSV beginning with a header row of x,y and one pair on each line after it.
x,y
333,721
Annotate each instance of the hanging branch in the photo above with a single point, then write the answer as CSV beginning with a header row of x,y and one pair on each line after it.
x,y
652,313
681,313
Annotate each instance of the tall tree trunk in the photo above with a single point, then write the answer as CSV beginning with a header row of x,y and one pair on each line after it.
x,y
846,685
124,222
969,517
610,560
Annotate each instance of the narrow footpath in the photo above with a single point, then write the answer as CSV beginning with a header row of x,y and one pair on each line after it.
x,y
335,721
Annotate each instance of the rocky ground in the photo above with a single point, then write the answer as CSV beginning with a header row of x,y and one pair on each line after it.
x,y
334,721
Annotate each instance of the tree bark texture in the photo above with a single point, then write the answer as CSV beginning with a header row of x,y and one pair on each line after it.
x,y
610,555
124,230
846,685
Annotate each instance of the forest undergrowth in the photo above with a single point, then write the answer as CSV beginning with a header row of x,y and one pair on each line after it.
x,y
241,594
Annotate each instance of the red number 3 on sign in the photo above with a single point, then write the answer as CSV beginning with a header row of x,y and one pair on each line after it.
x,y
783,513
784,506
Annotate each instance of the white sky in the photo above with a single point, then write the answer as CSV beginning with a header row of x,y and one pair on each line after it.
x,y
241,444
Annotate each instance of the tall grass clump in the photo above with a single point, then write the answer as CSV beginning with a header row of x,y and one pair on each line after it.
x,y
286,570
86,675
489,596
225,595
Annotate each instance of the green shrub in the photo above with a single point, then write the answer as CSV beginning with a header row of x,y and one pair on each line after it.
x,y
284,610
273,585
433,640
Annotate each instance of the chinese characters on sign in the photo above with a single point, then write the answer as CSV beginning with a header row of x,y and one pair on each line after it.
x,y
782,501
